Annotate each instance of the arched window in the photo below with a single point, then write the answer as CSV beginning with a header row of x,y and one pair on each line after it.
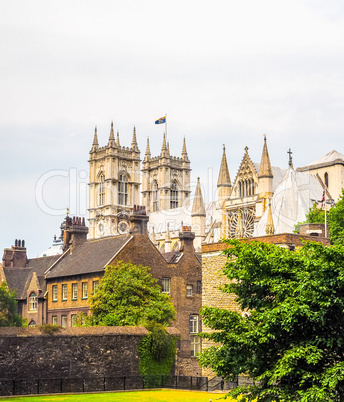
x,y
326,179
102,190
122,190
174,196
155,196
32,302
32,323
240,189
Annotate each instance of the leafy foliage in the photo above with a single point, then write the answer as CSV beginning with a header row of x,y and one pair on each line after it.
x,y
49,329
336,221
9,316
292,342
314,215
157,352
129,295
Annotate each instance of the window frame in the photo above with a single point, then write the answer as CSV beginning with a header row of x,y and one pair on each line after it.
x,y
199,287
64,291
166,285
54,293
75,291
102,189
64,318
54,320
33,302
189,290
194,323
195,345
122,189
174,195
74,320
95,286
155,190
84,290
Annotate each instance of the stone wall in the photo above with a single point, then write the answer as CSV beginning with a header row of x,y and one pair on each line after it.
x,y
74,352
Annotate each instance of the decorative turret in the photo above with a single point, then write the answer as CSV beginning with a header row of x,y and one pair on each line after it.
x,y
148,152
265,177
198,217
112,142
153,238
117,140
265,165
168,241
95,144
224,181
184,151
164,149
269,230
134,145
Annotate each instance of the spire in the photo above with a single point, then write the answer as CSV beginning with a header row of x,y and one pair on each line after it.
x,y
269,230
148,152
112,142
239,230
168,241
95,144
224,179
164,150
198,208
153,237
117,140
184,152
134,141
265,165
290,163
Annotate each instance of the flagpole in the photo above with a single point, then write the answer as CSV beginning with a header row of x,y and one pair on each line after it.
x,y
166,124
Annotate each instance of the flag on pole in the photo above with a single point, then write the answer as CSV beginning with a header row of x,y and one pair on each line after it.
x,y
323,200
161,120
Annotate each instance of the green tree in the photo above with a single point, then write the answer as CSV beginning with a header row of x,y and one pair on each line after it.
x,y
314,215
9,316
336,221
292,341
129,295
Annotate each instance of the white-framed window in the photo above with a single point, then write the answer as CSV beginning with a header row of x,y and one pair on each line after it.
x,y
193,324
174,196
166,285
74,320
54,292
122,190
32,302
64,291
54,319
102,190
195,345
155,196
84,290
95,286
64,321
189,290
74,291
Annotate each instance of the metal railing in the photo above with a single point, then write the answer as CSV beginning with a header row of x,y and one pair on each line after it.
x,y
98,384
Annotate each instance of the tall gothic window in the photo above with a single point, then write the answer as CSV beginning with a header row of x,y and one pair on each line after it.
x,y
155,196
174,196
122,190
102,190
33,302
326,179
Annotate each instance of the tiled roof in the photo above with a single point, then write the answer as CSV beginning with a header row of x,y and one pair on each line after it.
x,y
91,256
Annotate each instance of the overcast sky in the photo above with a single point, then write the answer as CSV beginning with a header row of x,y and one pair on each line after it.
x,y
225,72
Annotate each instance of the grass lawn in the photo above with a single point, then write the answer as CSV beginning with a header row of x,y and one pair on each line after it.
x,y
139,396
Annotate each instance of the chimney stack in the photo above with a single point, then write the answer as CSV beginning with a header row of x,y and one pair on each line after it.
x,y
15,257
138,220
186,238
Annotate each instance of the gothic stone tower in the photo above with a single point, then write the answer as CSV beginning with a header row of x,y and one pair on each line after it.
x,y
114,185
165,179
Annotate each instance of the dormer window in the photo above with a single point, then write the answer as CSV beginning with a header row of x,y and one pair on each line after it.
x,y
32,302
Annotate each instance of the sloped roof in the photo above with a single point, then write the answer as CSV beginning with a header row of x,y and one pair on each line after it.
x,y
18,279
291,201
329,158
91,256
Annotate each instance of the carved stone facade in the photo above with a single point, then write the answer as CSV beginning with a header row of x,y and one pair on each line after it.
x,y
165,180
114,185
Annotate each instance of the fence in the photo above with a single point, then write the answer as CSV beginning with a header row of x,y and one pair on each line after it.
x,y
94,384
